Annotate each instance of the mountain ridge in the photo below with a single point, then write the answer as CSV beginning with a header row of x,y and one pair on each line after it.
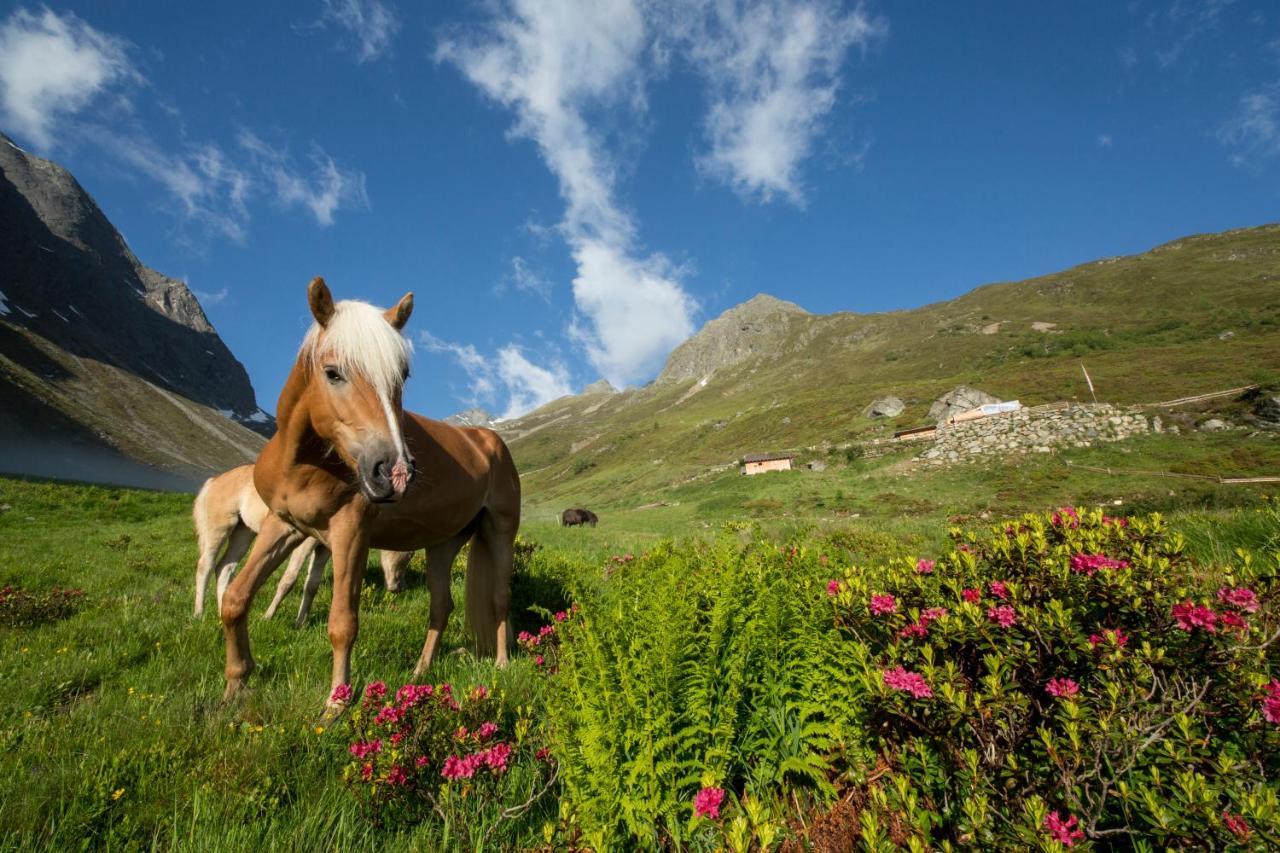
x,y
101,357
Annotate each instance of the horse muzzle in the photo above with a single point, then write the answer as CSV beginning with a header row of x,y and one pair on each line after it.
x,y
385,477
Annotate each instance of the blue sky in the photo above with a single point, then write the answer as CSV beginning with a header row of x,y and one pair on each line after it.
x,y
571,188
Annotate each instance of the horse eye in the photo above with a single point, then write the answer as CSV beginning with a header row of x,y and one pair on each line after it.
x,y
332,374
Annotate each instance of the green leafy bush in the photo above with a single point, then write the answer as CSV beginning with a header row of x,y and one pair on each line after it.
x,y
692,673
1067,678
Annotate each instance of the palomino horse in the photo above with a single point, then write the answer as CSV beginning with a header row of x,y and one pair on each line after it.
x,y
340,468
228,511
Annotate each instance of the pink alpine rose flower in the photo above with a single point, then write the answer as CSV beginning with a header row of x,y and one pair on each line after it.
x,y
925,567
882,604
1061,687
341,693
1235,823
1004,615
999,590
1271,702
1241,598
908,682
971,595
1190,616
833,587
706,803
1063,830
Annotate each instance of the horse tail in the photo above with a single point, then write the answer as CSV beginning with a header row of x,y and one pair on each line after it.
x,y
482,582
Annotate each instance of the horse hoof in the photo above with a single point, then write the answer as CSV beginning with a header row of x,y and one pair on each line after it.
x,y
235,689
332,711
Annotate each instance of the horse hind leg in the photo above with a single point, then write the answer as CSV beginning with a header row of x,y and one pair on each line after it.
x,y
315,576
237,546
489,568
439,565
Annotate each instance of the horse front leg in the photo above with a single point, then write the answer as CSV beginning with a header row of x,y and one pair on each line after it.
x,y
350,548
275,541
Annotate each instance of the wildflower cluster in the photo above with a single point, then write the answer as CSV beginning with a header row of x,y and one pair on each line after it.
x,y
544,646
22,609
412,749
1009,670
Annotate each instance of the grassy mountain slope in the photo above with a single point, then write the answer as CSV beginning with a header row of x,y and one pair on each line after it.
x,y
1149,327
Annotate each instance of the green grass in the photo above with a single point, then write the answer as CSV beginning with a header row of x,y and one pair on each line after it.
x,y
112,728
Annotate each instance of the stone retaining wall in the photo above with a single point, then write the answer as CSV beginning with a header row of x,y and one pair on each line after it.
x,y
1041,429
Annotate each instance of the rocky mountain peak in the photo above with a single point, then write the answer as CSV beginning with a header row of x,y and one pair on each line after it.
x,y
755,327
474,417
600,386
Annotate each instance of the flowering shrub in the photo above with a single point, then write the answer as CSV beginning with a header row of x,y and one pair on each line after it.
x,y
22,609
428,749
1067,678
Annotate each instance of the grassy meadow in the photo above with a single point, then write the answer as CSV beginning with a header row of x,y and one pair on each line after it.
x,y
113,732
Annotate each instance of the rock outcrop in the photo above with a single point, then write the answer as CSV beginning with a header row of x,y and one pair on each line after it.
x,y
957,401
473,417
886,407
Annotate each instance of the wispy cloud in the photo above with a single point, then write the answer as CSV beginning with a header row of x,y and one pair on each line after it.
x,y
217,297
211,191
551,62
1253,131
369,26
772,67
526,279
52,67
526,385
326,189
1104,140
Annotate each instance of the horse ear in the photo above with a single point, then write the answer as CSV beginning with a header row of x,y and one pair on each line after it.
x,y
321,301
399,315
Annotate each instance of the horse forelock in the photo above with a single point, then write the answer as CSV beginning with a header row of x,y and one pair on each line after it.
x,y
359,341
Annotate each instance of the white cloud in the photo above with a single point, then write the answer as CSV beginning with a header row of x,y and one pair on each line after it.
x,y
773,71
211,192
552,62
1254,130
370,24
323,192
1104,140
567,68
525,384
53,66
528,385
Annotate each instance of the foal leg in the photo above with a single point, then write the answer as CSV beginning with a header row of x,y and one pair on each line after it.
x,y
439,564
315,576
275,541
211,542
394,565
237,547
290,576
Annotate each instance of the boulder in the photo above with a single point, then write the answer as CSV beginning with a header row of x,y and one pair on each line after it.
x,y
1266,408
886,407
1213,425
958,400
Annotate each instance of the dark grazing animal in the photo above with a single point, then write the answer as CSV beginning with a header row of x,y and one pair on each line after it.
x,y
576,517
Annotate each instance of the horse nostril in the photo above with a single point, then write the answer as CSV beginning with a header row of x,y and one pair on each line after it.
x,y
380,470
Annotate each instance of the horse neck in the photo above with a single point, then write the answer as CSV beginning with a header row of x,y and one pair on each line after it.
x,y
293,416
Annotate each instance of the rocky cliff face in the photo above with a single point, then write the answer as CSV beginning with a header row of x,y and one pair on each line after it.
x,y
753,328
78,309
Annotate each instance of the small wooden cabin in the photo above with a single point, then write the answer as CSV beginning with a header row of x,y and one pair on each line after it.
x,y
762,463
